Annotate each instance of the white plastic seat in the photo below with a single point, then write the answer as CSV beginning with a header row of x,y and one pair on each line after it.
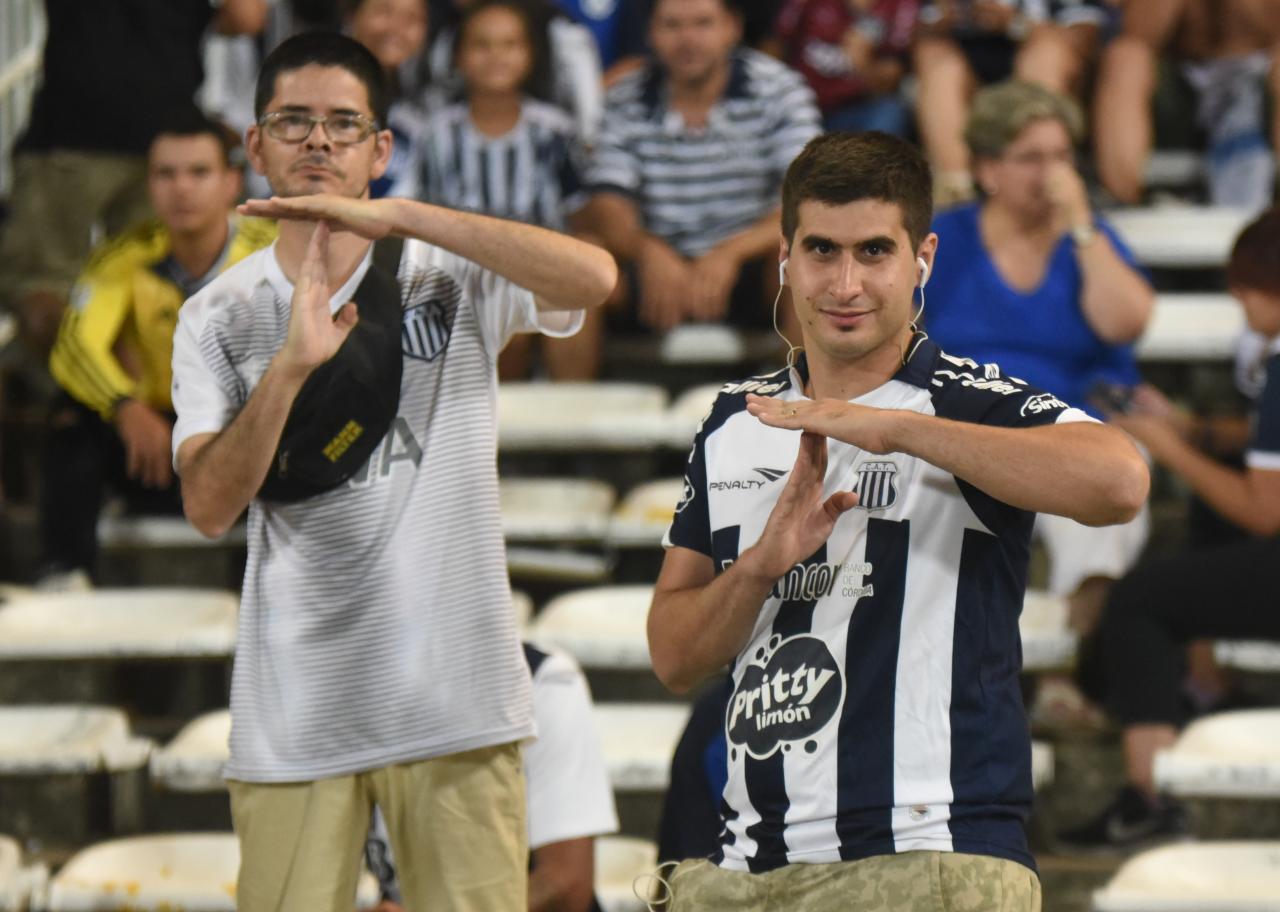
x,y
18,883
602,627
1179,237
1225,755
687,411
1041,764
1197,877
642,518
557,564
193,760
161,532
1192,327
165,872
619,861
639,740
119,623
703,343
44,740
555,509
1047,642
1249,655
543,416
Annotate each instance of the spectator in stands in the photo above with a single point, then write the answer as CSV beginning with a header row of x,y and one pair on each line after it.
x,y
689,163
1226,51
853,53
618,26
501,152
690,825
109,69
964,45
395,32
567,794
1031,280
111,429
378,659
1225,591
573,79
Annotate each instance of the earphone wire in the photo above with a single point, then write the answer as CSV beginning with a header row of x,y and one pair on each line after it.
x,y
918,335
792,349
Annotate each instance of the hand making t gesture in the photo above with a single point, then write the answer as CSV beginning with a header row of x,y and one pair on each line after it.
x,y
315,334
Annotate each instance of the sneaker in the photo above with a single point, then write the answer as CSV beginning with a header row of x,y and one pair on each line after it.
x,y
1130,821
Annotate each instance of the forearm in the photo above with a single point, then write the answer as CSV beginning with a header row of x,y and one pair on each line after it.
x,y
561,876
1116,300
759,239
222,477
695,632
557,268
1228,491
1088,472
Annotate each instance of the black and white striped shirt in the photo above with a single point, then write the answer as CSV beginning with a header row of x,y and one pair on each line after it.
x,y
697,187
530,174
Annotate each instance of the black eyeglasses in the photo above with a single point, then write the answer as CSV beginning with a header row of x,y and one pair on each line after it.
x,y
294,126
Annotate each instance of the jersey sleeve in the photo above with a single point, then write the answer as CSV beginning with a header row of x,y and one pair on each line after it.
x,y
1263,451
964,390
691,526
567,781
206,396
82,360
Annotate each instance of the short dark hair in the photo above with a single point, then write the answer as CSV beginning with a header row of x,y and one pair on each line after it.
x,y
1255,258
188,120
536,18
840,168
324,49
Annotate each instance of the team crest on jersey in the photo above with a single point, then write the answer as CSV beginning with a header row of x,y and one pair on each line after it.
x,y
786,696
427,328
877,485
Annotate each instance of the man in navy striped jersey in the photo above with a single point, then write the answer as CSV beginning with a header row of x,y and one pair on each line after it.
x,y
866,594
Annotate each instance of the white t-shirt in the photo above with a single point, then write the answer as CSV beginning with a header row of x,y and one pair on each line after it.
x,y
375,623
567,790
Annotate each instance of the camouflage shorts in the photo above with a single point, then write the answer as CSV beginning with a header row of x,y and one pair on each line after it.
x,y
909,882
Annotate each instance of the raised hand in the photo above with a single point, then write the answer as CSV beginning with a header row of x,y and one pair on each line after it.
x,y
315,335
372,219
802,519
858,425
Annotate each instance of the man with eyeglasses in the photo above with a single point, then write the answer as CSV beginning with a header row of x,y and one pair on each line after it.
x,y
378,659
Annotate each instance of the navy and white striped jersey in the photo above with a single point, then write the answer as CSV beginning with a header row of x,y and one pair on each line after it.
x,y
696,187
876,706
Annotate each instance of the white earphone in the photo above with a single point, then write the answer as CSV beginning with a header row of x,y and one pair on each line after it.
x,y
924,271
782,271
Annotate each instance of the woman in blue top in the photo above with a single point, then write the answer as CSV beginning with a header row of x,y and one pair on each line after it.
x,y
1029,279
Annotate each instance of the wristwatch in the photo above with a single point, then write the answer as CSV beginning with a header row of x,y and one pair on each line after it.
x,y
1082,235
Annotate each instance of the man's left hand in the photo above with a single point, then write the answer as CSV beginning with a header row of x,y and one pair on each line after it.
x,y
862,426
371,219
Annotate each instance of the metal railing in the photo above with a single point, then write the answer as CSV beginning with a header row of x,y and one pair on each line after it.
x,y
22,30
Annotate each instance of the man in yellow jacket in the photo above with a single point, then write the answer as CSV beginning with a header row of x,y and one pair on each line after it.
x,y
114,347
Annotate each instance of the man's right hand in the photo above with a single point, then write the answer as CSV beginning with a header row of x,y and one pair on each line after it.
x,y
666,279
148,441
315,334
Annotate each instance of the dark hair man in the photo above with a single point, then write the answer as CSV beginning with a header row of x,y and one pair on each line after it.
x,y
378,660
863,577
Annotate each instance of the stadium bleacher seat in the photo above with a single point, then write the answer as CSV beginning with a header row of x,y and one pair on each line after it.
x,y
160,872
639,741
161,532
119,623
602,627
1249,655
58,740
644,514
557,417
193,760
18,882
555,510
620,860
1178,236
1047,642
1204,877
703,343
1041,764
1192,327
688,410
1225,755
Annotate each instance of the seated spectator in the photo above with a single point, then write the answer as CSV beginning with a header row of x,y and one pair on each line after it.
x,y
567,793
689,164
1221,591
108,68
501,152
573,78
1031,280
1225,50
963,45
690,825
853,53
112,427
395,31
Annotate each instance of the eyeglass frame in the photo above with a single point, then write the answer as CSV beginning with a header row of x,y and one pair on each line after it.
x,y
271,117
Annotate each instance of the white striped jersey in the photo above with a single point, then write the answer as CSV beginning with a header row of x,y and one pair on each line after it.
x,y
531,174
375,623
876,706
694,188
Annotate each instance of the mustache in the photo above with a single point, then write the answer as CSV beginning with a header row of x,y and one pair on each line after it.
x,y
316,161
